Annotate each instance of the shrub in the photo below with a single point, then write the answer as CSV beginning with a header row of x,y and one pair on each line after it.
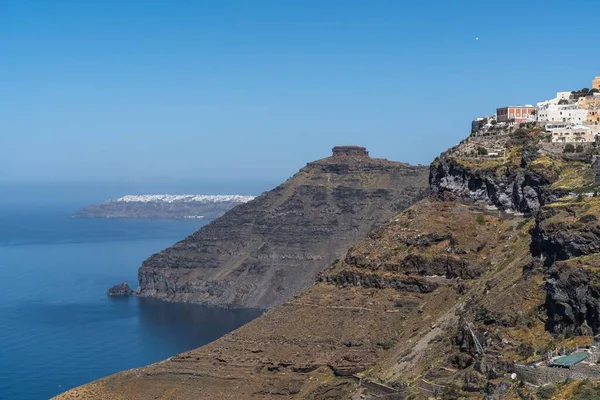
x,y
586,390
569,148
579,149
546,391
519,138
387,344
521,224
482,151
588,218
525,350
480,219
453,241
451,392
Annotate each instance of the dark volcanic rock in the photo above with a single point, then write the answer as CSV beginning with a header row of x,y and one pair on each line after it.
x,y
417,264
519,189
122,289
558,236
349,277
263,252
567,238
572,301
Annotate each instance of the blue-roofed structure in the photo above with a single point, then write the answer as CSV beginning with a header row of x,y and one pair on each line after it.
x,y
570,360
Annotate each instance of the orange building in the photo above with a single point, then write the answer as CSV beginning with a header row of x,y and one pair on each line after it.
x,y
515,114
596,83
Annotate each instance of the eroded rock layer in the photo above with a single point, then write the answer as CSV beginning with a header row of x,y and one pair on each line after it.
x,y
262,252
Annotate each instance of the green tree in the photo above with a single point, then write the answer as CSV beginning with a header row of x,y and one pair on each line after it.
x,y
569,148
482,151
451,392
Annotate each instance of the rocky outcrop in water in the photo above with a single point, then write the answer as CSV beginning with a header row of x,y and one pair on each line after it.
x,y
120,290
264,251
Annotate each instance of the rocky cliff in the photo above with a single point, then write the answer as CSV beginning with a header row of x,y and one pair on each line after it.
x,y
262,252
521,177
378,320
441,301
515,189
567,237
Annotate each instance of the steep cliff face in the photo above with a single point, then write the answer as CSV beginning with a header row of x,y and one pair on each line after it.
x,y
566,229
523,177
516,189
567,237
572,301
263,252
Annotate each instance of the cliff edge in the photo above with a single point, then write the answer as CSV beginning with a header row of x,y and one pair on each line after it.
x,y
263,252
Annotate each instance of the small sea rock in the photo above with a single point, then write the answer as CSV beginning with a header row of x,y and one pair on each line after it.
x,y
122,289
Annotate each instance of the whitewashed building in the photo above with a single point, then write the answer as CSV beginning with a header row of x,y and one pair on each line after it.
x,y
569,113
560,97
573,134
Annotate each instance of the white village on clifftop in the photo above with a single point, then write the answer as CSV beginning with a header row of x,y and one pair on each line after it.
x,y
570,117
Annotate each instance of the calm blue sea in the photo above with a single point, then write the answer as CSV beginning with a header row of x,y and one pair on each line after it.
x,y
58,329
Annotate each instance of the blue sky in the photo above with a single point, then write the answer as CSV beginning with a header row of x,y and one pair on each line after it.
x,y
141,90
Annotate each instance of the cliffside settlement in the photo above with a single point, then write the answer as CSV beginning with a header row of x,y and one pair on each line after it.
x,y
573,116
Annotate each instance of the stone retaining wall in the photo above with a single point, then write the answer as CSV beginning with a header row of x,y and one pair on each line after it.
x,y
430,389
539,375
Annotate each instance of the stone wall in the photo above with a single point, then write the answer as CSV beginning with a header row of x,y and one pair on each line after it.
x,y
539,375
430,389
558,149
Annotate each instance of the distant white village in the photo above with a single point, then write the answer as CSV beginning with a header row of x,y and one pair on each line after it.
x,y
570,117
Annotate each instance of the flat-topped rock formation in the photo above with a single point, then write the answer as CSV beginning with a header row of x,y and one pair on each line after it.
x,y
350,151
262,252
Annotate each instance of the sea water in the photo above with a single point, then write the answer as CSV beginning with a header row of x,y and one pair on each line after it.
x,y
58,329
